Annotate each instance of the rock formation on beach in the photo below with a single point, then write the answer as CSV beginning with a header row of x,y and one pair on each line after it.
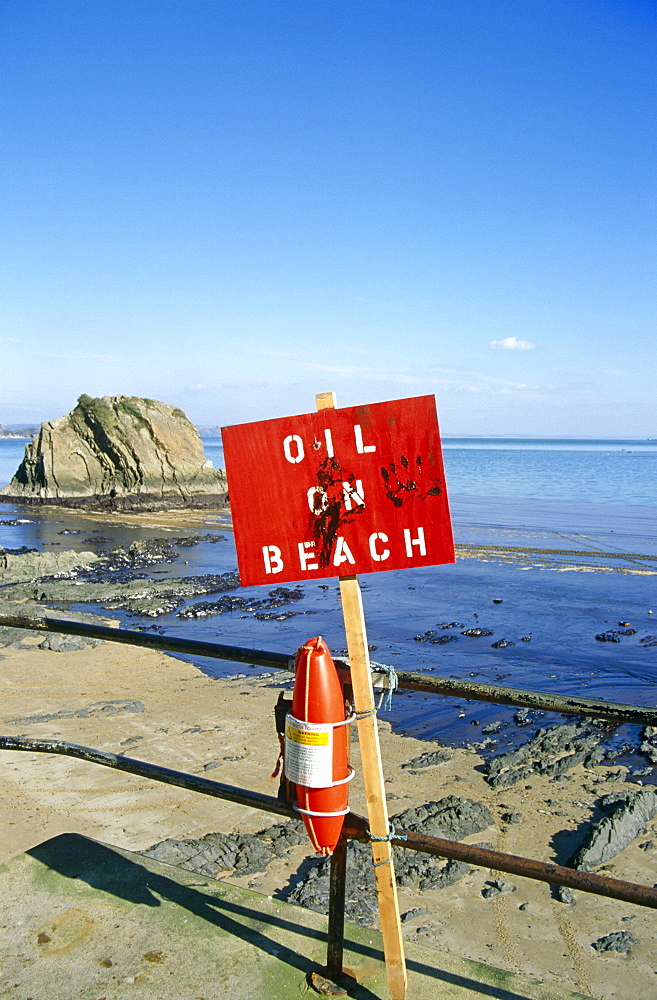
x,y
116,446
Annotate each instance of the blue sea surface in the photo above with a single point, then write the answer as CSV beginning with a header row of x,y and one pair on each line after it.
x,y
591,504
604,471
11,456
599,471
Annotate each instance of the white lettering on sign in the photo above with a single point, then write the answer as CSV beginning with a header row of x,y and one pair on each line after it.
x,y
361,448
306,553
418,540
298,454
272,557
328,437
342,552
317,500
353,494
377,543
378,556
295,452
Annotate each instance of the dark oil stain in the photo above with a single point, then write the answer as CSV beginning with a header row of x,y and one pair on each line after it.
x,y
154,956
43,938
398,490
106,963
329,512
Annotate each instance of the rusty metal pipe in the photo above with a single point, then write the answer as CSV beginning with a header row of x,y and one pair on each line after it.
x,y
355,826
165,644
543,871
192,782
512,864
562,703
449,686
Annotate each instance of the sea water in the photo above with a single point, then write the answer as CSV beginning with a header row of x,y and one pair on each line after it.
x,y
581,470
600,471
592,503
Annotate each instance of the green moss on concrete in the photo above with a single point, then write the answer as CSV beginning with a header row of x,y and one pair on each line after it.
x,y
209,938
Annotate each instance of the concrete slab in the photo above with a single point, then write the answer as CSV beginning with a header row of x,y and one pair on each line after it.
x,y
84,921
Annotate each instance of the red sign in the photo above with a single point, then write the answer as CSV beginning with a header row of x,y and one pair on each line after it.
x,y
338,492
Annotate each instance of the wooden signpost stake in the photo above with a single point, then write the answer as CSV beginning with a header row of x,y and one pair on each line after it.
x,y
368,736
340,492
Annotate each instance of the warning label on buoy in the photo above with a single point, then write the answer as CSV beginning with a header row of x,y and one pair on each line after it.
x,y
309,753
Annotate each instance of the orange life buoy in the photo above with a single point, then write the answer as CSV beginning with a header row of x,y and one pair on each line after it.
x,y
316,758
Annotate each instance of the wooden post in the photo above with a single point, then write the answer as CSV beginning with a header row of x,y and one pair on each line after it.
x,y
368,736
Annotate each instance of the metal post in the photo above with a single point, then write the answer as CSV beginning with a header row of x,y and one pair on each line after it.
x,y
337,886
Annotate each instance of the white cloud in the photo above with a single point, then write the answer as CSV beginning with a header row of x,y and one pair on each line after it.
x,y
431,377
512,344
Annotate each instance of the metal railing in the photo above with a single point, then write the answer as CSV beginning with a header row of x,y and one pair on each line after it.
x,y
453,687
355,826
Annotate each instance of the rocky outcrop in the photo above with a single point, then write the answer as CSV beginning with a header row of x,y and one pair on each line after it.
x,y
116,446
452,817
551,752
217,853
609,836
115,580
24,565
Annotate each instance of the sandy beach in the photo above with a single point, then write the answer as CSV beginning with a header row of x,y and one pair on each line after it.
x,y
153,707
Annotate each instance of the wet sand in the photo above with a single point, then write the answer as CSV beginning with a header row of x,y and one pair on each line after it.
x,y
150,706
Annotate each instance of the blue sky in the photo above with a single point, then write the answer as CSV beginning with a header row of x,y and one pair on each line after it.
x,y
231,206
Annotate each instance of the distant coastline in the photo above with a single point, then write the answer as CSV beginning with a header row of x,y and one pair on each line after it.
x,y
214,431
18,432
